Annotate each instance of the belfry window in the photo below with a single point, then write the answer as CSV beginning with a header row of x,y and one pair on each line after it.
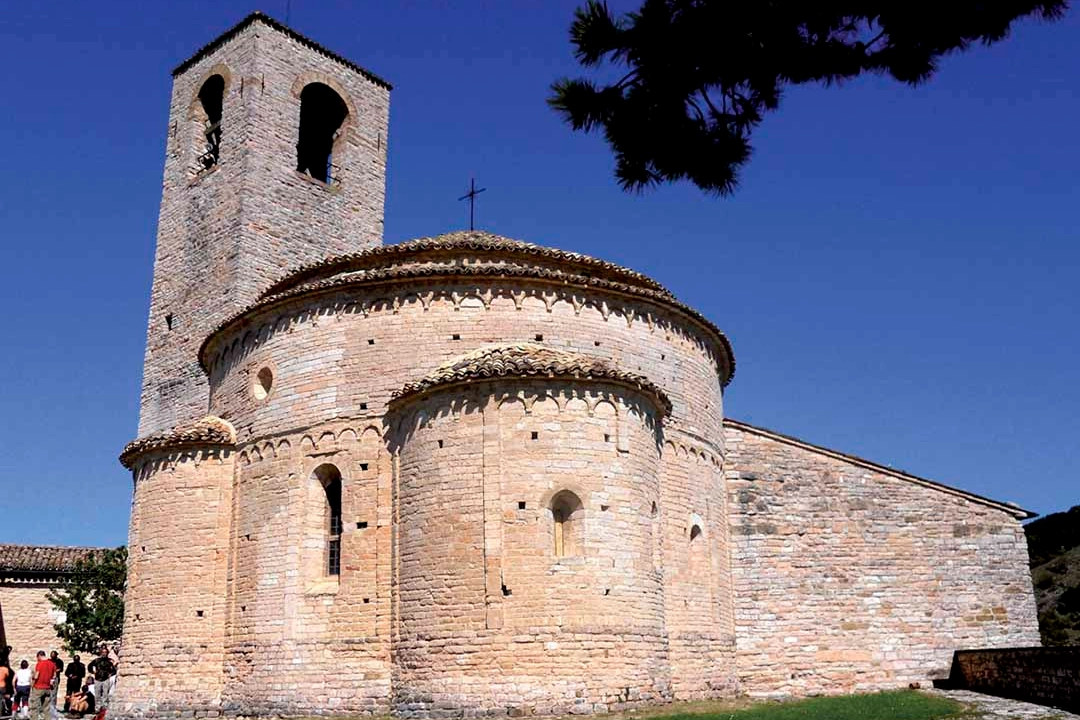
x,y
322,112
330,479
211,100
568,524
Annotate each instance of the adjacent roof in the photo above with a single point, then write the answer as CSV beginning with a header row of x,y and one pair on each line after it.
x,y
1011,508
526,360
282,28
473,253
41,559
210,431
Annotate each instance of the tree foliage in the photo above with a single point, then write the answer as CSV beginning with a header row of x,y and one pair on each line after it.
x,y
1054,547
93,601
1050,536
697,76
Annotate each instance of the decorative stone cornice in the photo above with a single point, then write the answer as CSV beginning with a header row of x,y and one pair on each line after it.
x,y
526,360
474,255
208,432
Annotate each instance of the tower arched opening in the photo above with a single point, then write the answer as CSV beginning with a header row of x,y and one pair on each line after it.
x,y
211,100
322,113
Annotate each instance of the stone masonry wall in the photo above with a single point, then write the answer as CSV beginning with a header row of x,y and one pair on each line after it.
x,y
198,241
175,615
697,571
29,619
490,619
850,578
334,361
226,233
343,354
1047,676
704,560
300,640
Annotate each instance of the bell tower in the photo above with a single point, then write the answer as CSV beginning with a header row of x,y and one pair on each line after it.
x,y
276,157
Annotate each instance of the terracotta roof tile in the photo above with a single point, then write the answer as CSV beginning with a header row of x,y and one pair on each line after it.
x,y
423,259
209,431
470,240
42,559
526,360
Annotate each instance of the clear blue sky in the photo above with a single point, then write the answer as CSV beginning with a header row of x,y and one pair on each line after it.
x,y
898,273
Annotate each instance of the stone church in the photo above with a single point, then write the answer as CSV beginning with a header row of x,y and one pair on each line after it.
x,y
467,475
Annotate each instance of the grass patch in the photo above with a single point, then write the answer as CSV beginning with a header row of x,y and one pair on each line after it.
x,y
900,705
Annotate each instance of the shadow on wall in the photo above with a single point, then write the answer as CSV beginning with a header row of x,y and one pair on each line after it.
x,y
1045,676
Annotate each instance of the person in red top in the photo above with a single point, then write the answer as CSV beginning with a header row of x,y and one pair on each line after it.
x,y
41,692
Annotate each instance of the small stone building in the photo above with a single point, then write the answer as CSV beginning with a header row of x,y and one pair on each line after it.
x,y
468,475
27,574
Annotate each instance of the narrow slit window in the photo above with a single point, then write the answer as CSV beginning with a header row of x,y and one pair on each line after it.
x,y
560,531
330,479
333,546
322,113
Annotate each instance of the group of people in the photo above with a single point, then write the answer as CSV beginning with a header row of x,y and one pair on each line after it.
x,y
33,690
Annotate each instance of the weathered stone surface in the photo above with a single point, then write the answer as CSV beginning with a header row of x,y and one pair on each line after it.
x,y
28,619
850,576
1048,676
227,233
541,510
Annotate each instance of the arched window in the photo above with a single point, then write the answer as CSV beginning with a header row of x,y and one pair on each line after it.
x,y
211,100
698,551
568,522
330,479
322,111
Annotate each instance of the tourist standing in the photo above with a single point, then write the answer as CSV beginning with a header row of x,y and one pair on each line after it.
x,y
41,693
102,669
7,676
24,676
55,657
76,671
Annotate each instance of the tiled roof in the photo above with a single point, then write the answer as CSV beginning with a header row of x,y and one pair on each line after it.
x,y
529,361
486,255
1011,508
469,240
41,559
210,431
282,28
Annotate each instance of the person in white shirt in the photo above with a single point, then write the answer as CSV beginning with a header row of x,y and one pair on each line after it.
x,y
24,676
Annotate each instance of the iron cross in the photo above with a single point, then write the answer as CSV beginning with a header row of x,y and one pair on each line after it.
x,y
471,196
